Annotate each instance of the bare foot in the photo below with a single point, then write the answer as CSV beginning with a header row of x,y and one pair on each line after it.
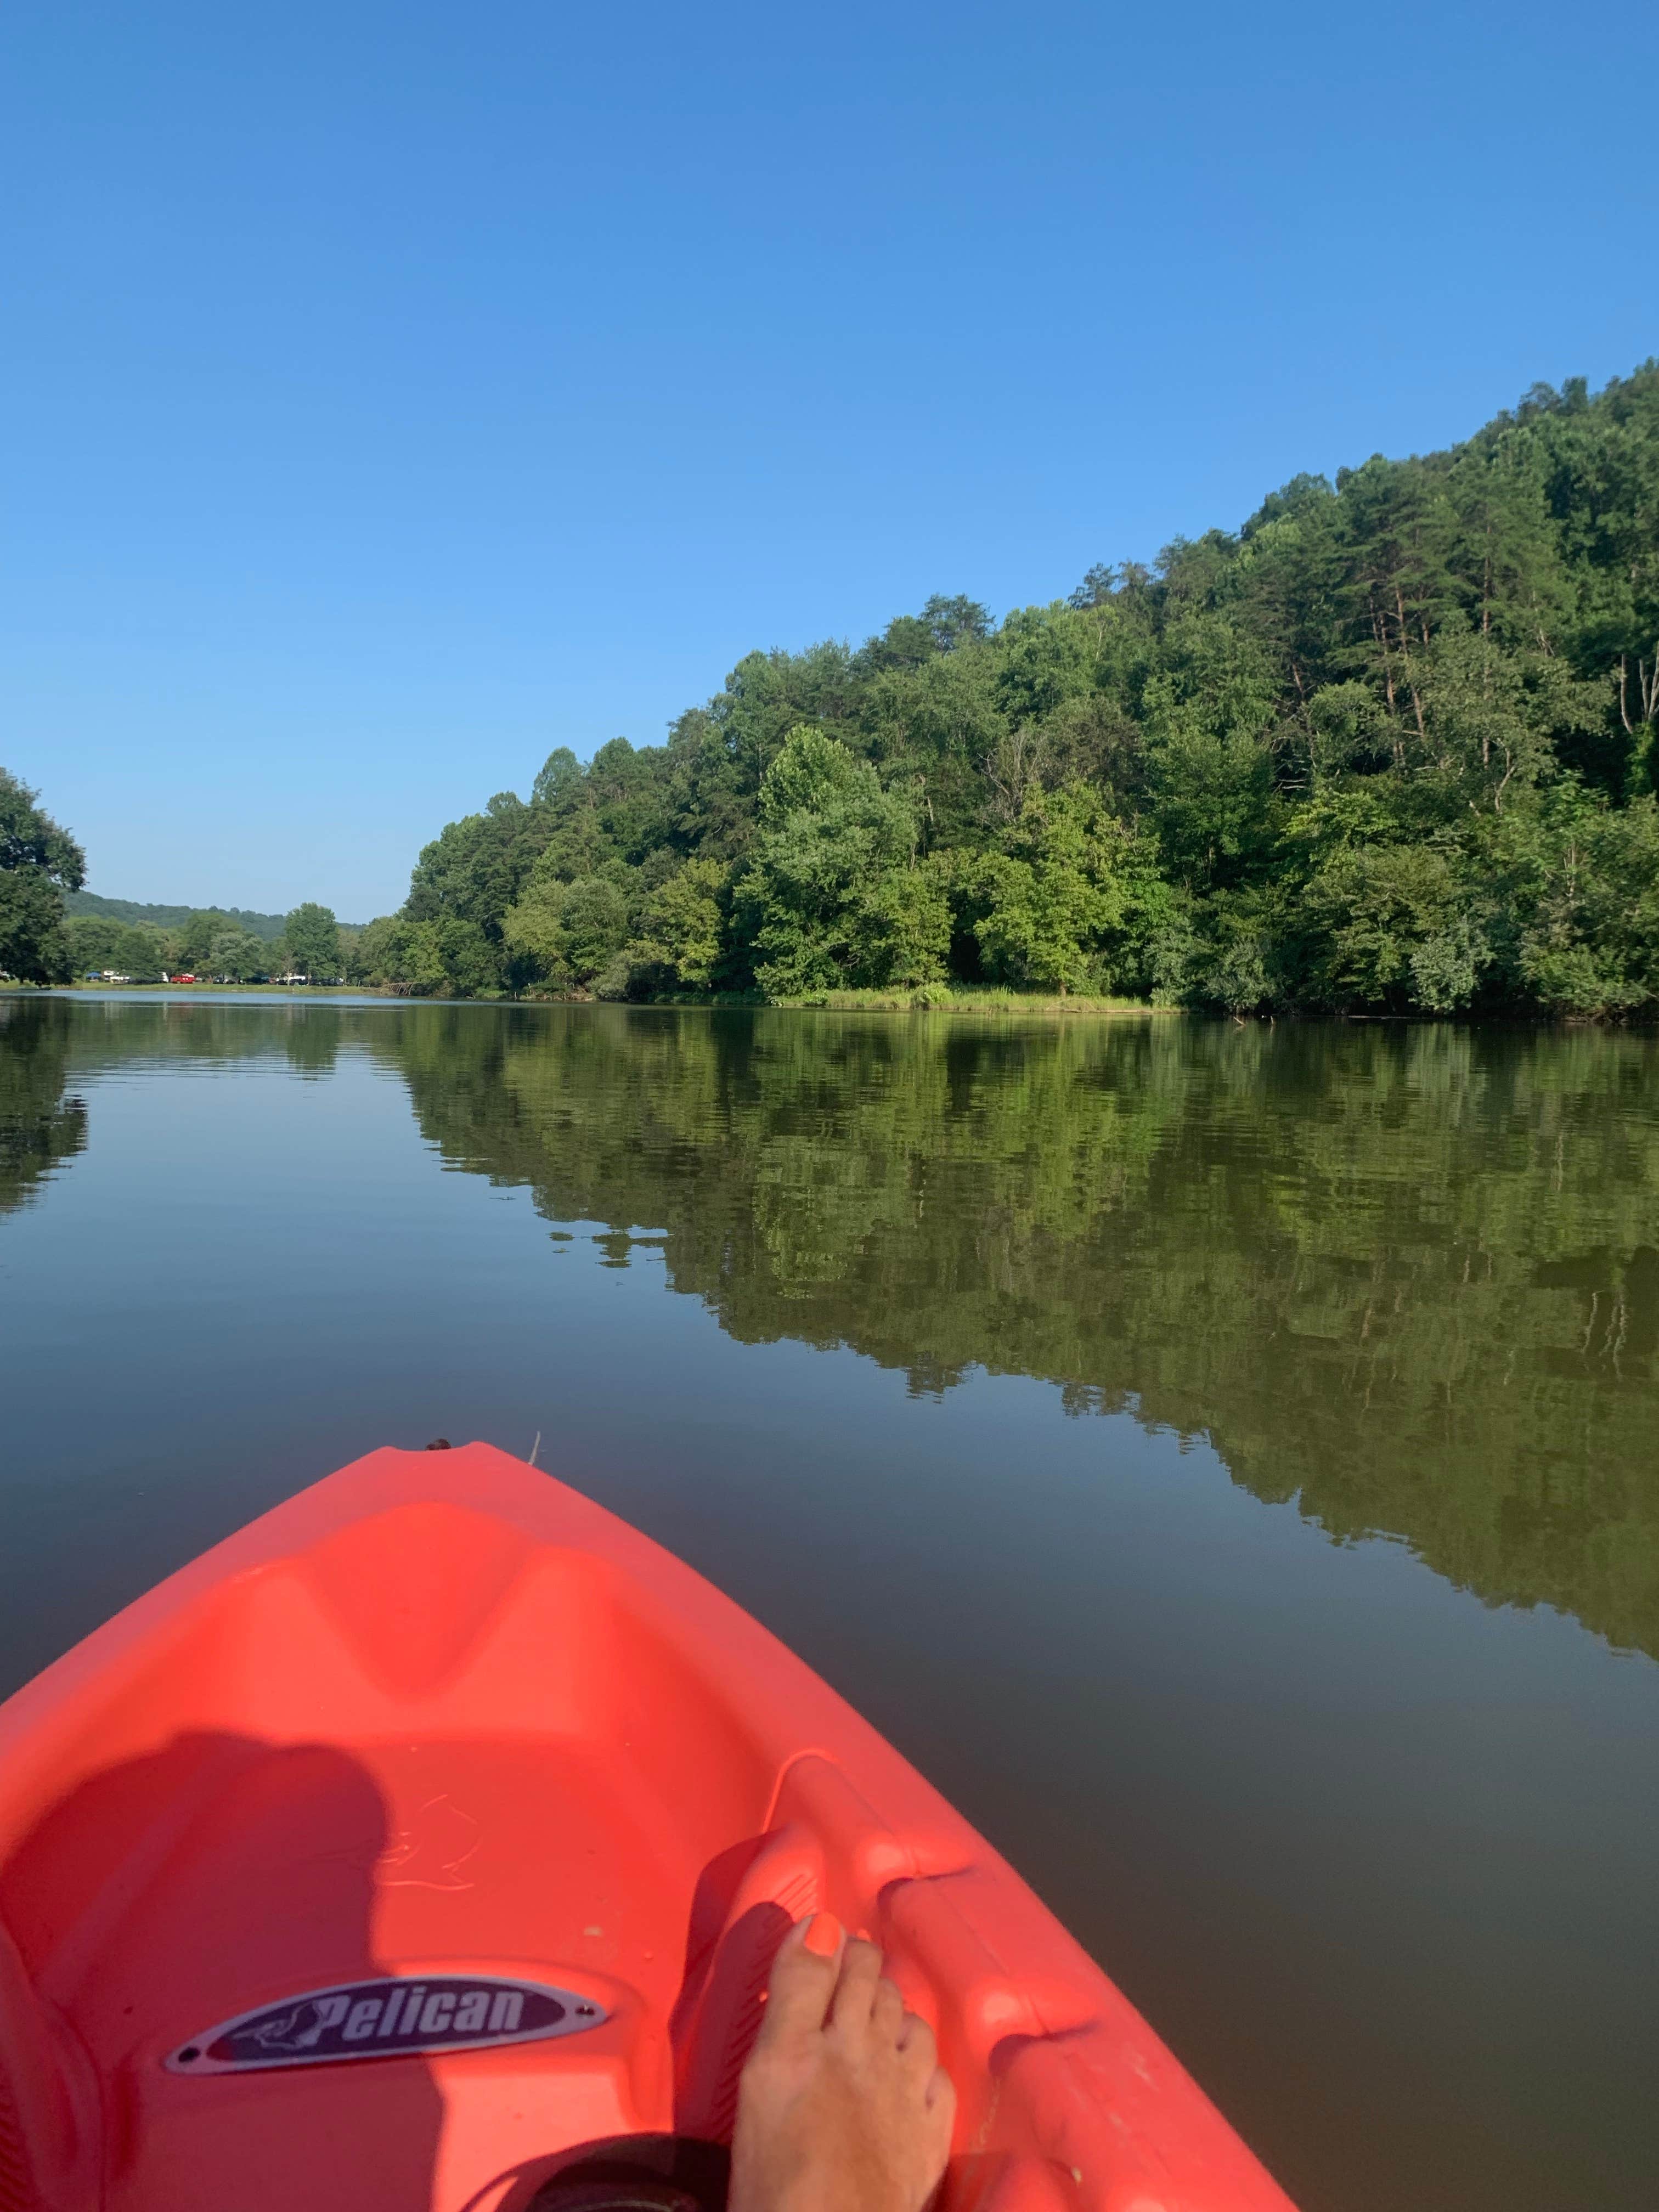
x,y
843,2106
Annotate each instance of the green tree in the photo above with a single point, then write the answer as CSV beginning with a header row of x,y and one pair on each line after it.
x,y
196,936
1051,903
312,938
570,932
478,867
1400,927
39,862
685,946
833,896
1582,885
374,957
1494,721
236,956
559,779
100,943
447,958
96,942
1210,715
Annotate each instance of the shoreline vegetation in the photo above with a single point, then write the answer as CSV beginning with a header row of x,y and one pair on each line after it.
x,y
1390,749
930,998
933,998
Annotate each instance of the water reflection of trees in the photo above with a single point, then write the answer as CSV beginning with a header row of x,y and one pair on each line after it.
x,y
1409,1277
40,1124
50,1045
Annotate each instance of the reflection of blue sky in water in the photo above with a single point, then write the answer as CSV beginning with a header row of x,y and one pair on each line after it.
x,y
1359,1843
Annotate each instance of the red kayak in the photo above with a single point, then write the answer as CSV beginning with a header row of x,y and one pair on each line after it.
x,y
424,1848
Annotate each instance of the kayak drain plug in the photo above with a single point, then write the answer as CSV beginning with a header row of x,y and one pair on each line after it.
x,y
439,1444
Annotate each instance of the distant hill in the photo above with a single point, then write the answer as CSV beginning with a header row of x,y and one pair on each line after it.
x,y
267,925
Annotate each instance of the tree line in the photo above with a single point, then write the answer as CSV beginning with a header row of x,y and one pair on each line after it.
x,y
1389,746
209,942
41,865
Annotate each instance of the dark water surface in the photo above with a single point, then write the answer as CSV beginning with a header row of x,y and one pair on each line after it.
x,y
1224,1459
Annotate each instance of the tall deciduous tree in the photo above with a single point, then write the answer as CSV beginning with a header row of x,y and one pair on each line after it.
x,y
836,897
39,862
312,938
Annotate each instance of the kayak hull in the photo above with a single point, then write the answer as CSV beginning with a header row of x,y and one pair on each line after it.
x,y
440,1727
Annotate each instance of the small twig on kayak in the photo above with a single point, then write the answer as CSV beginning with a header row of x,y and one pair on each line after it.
x,y
535,1447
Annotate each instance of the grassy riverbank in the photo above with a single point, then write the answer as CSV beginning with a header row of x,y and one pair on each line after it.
x,y
946,998
210,990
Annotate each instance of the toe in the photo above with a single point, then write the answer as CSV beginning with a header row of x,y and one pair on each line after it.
x,y
940,2098
802,1978
855,1991
915,2040
887,2010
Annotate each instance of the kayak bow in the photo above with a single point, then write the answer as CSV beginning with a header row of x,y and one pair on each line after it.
x,y
424,1847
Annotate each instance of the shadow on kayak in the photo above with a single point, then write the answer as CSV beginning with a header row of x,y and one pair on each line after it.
x,y
171,1893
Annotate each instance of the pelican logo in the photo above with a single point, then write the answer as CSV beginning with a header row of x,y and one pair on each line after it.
x,y
381,2019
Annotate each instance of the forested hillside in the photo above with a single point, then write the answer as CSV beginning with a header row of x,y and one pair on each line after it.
x,y
1391,745
266,926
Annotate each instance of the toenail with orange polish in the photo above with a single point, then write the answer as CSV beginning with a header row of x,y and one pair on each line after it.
x,y
822,1935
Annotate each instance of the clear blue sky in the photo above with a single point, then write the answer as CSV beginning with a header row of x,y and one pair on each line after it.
x,y
393,393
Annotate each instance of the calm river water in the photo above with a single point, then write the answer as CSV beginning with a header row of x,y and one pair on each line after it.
x,y
1223,1459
